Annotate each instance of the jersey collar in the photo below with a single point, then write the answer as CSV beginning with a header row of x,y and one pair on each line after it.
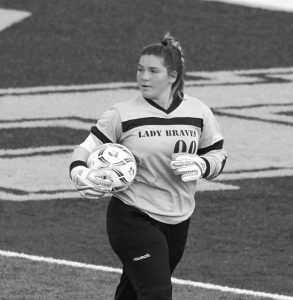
x,y
175,103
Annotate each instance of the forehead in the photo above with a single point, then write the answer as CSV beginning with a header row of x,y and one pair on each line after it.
x,y
152,61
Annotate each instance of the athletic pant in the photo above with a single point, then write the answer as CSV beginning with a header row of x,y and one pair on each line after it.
x,y
149,251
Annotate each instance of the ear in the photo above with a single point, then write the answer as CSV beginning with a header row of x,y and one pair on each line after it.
x,y
173,76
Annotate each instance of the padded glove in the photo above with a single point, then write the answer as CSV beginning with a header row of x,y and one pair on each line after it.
x,y
91,183
189,166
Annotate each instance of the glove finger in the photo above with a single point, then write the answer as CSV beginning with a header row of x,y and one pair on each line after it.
x,y
100,179
180,163
100,182
190,176
186,169
91,194
181,156
93,183
80,183
103,189
174,156
104,172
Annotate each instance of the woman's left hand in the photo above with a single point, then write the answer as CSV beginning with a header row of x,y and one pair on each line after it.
x,y
189,166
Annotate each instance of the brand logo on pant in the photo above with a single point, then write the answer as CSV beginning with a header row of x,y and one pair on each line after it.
x,y
142,257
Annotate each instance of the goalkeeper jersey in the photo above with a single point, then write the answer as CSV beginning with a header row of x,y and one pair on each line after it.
x,y
153,134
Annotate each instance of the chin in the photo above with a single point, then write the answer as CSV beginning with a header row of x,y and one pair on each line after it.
x,y
147,95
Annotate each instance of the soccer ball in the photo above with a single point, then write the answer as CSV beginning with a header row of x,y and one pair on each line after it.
x,y
119,160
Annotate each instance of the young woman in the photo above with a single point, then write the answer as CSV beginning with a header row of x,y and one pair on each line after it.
x,y
176,141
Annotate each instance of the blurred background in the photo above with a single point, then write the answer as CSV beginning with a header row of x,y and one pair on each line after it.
x,y
62,63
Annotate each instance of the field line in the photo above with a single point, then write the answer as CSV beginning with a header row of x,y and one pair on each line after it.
x,y
119,271
211,77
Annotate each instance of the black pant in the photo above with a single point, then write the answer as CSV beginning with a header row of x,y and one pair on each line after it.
x,y
149,251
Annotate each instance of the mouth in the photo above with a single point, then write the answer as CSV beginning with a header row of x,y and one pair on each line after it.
x,y
145,86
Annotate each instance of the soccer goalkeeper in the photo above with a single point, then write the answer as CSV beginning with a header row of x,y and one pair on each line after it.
x,y
176,141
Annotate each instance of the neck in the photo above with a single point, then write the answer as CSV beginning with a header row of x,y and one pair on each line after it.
x,y
165,100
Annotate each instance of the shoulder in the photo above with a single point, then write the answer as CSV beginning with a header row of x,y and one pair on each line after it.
x,y
195,103
131,109
131,103
121,107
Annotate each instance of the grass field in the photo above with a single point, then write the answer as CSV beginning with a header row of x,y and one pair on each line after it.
x,y
81,283
70,60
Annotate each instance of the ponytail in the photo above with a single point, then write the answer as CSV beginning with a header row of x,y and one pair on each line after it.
x,y
177,63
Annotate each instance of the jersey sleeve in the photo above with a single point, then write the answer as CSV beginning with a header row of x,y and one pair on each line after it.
x,y
108,129
211,146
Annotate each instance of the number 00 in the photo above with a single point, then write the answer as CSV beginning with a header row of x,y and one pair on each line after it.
x,y
181,146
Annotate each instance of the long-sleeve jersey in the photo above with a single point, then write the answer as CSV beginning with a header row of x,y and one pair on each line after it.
x,y
153,134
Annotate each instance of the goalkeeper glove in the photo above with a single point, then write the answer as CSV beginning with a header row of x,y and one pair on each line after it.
x,y
189,166
91,183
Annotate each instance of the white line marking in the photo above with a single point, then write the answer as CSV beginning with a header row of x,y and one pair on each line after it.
x,y
214,77
119,271
67,88
8,17
277,5
256,174
28,151
77,124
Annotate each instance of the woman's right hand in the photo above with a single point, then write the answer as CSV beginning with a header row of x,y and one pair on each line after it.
x,y
92,183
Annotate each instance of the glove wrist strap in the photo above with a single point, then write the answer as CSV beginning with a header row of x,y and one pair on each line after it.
x,y
76,163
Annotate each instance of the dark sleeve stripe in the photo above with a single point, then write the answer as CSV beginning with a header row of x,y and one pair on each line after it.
x,y
100,135
208,168
217,146
130,124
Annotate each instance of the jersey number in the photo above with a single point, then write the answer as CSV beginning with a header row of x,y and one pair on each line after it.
x,y
181,146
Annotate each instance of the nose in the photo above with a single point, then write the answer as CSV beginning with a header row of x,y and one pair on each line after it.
x,y
145,76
